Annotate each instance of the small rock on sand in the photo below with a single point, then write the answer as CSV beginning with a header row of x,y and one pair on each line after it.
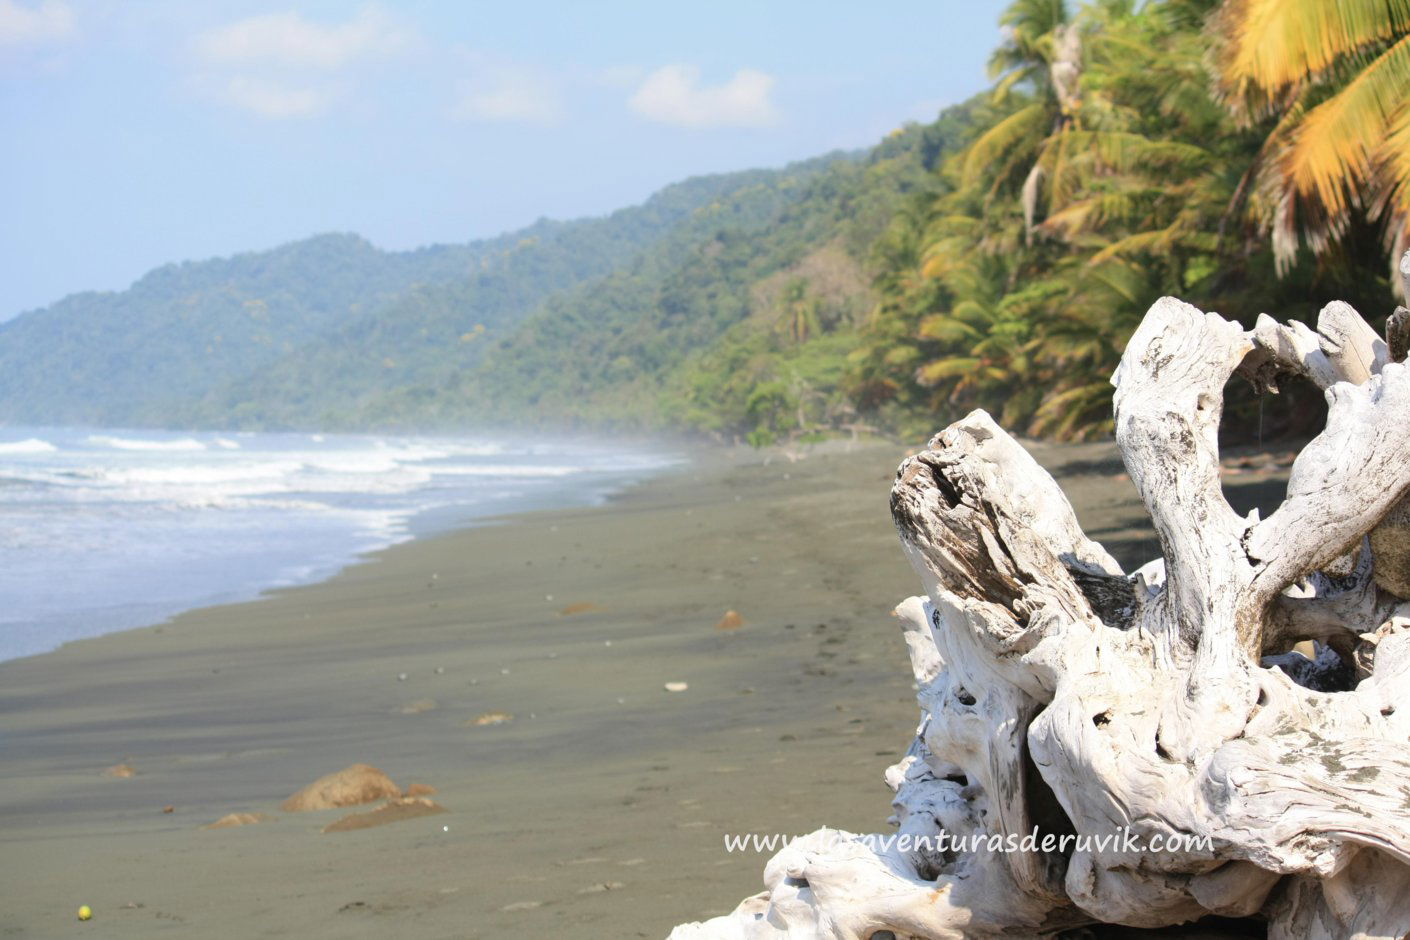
x,y
730,621
231,820
491,718
581,607
677,686
396,810
420,789
120,771
419,706
360,783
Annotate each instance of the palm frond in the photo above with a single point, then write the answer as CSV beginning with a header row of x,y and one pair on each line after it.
x,y
933,373
1267,47
1024,126
1330,152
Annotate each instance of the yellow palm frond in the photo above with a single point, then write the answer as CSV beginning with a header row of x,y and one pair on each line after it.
x,y
932,373
1269,46
1393,162
1157,242
946,329
1027,124
1331,150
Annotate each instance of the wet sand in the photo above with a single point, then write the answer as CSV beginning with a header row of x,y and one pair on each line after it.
x,y
599,809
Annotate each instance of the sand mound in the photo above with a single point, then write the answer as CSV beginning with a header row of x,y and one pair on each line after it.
x,y
420,789
492,718
730,621
360,783
398,810
121,771
231,820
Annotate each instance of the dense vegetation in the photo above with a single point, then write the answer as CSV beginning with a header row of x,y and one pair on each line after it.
x,y
1109,172
1247,156
739,321
131,357
305,334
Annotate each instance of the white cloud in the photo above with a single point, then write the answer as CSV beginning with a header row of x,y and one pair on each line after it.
x,y
20,25
272,99
282,66
673,95
507,93
290,41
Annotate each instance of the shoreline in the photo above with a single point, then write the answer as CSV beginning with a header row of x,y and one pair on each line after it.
x,y
358,546
599,808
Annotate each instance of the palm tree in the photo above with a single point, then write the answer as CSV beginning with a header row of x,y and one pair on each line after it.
x,y
1042,50
799,319
1335,74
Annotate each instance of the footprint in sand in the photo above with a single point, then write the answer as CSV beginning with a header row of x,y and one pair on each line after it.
x,y
521,906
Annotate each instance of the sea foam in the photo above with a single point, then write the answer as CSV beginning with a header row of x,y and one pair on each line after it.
x,y
128,443
32,445
159,523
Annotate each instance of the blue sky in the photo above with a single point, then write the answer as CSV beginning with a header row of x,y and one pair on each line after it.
x,y
137,132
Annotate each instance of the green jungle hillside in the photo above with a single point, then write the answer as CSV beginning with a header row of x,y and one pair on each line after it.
x,y
1246,156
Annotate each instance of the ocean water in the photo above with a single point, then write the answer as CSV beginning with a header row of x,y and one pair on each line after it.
x,y
104,530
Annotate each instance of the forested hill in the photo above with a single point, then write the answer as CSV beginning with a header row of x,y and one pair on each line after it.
x,y
709,307
998,257
300,335
113,357
738,322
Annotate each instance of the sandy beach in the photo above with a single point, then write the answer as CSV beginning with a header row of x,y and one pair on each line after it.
x,y
599,809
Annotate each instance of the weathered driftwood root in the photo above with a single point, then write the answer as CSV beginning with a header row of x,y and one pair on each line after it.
x,y
1061,697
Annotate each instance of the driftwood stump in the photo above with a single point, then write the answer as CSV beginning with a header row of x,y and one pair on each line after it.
x,y
1147,749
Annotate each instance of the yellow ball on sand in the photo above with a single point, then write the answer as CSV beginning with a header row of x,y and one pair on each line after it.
x,y
85,913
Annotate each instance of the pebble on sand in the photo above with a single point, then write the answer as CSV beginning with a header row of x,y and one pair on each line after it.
x,y
418,706
359,783
121,771
677,686
730,621
231,820
491,718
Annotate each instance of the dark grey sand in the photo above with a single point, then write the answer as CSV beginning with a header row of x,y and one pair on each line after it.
x,y
600,810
